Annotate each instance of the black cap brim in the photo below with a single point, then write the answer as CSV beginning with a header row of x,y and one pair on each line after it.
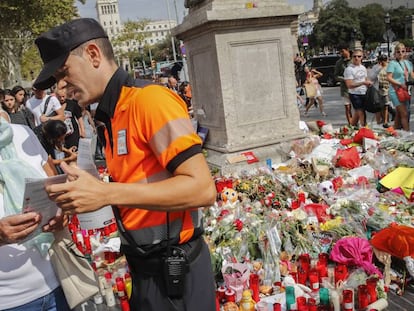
x,y
46,79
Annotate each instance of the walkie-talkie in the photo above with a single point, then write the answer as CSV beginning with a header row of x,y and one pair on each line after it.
x,y
175,267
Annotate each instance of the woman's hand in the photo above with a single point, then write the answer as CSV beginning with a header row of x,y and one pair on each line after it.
x,y
15,228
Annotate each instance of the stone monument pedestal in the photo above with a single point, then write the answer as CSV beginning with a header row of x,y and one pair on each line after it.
x,y
240,61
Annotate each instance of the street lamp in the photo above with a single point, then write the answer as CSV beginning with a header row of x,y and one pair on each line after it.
x,y
387,21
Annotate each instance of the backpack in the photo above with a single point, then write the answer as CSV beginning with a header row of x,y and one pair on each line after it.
x,y
372,100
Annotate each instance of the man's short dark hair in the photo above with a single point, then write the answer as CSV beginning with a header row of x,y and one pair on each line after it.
x,y
343,46
103,43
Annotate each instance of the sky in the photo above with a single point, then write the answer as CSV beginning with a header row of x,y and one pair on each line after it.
x,y
154,9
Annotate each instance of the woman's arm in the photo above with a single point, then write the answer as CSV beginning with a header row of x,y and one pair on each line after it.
x,y
394,82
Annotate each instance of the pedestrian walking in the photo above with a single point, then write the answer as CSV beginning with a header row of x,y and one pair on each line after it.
x,y
355,76
399,74
340,66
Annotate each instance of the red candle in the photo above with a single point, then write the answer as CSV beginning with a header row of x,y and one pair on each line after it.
x,y
372,289
322,266
323,258
301,303
304,262
254,286
230,295
302,276
221,293
363,296
347,300
314,280
277,307
312,306
301,197
340,273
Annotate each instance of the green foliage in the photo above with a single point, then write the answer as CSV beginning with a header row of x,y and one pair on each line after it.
x,y
21,21
132,32
339,23
371,19
336,24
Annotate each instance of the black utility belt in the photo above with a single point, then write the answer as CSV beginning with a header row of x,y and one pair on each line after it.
x,y
153,265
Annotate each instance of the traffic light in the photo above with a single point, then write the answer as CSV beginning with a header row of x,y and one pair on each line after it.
x,y
153,64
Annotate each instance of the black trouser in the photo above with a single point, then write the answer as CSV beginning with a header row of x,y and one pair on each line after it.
x,y
149,289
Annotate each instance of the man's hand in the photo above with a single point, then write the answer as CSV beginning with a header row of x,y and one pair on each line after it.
x,y
43,118
15,228
81,194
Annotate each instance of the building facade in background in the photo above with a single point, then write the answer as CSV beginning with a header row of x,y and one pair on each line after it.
x,y
110,19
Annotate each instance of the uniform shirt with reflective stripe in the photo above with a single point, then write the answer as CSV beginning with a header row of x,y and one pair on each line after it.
x,y
159,137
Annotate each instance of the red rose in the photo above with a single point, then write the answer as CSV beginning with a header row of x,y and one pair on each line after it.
x,y
238,224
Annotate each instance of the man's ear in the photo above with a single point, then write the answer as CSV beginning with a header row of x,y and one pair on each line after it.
x,y
94,54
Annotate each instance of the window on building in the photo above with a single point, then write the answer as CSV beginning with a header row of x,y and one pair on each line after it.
x,y
104,23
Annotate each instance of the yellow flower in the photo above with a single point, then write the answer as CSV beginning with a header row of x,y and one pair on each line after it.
x,y
330,224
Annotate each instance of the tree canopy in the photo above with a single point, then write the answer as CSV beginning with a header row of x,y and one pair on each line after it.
x,y
21,21
338,23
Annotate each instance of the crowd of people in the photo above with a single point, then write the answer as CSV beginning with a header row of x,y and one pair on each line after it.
x,y
59,121
388,78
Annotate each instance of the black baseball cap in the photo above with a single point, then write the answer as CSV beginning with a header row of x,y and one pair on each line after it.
x,y
55,46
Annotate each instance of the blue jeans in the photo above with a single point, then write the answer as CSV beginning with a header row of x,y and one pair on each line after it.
x,y
55,301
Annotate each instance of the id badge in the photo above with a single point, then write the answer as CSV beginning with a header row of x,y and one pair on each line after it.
x,y
122,143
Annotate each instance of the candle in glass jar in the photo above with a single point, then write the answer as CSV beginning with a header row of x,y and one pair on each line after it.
x,y
314,280
221,293
277,307
363,297
372,289
254,286
230,295
304,262
340,273
302,275
312,306
290,297
347,300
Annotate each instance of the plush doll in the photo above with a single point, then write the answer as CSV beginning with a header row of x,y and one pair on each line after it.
x,y
286,265
326,188
229,196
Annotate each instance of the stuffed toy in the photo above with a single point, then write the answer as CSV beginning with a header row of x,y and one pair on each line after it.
x,y
229,196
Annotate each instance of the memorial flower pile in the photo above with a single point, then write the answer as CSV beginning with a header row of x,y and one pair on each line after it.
x,y
310,204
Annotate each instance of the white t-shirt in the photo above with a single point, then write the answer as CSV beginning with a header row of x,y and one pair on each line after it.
x,y
24,274
356,74
37,106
